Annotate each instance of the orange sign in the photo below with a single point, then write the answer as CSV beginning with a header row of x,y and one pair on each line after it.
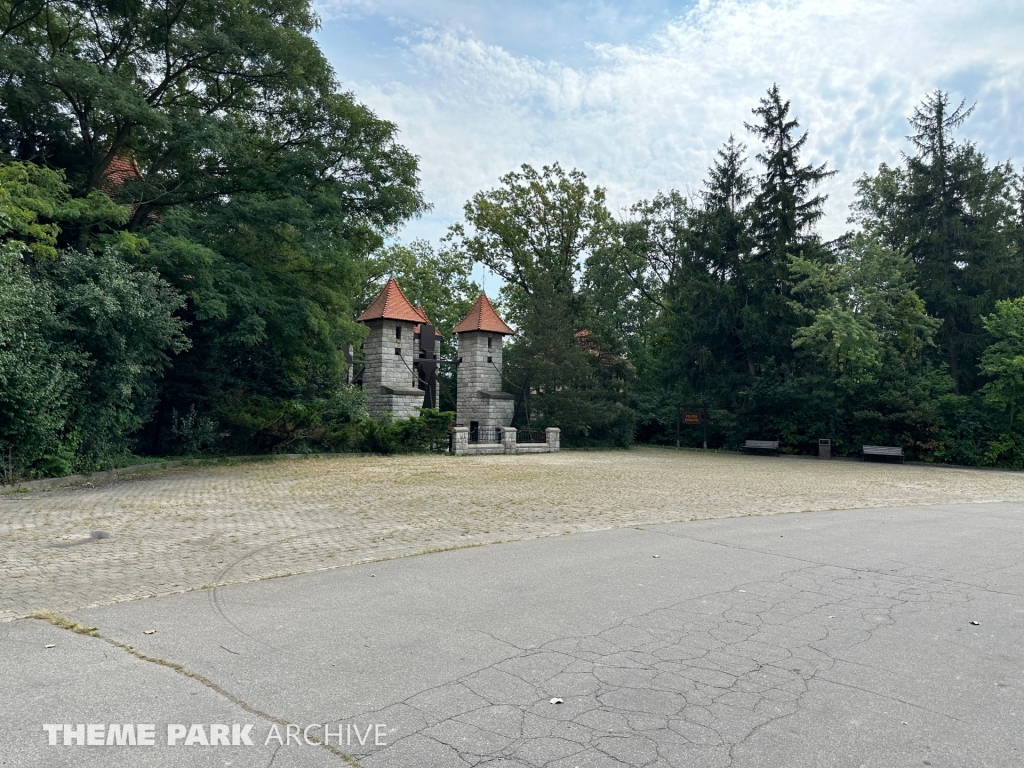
x,y
691,418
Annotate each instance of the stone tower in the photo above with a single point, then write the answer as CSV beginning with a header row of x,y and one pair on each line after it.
x,y
480,401
391,377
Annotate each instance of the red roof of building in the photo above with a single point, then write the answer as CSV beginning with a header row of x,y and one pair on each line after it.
x,y
120,170
391,304
482,317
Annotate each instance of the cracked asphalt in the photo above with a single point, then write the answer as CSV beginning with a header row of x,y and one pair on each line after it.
x,y
867,637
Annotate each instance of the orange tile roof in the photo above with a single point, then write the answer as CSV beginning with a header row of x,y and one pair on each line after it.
x,y
482,317
391,304
121,169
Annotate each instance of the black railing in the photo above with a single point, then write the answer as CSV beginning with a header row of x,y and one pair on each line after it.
x,y
531,436
484,434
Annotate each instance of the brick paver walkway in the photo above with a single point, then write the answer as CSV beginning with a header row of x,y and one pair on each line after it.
x,y
186,529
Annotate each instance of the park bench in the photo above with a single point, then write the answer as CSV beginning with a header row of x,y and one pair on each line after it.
x,y
761,445
883,452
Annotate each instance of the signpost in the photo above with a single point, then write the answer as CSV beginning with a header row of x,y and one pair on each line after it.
x,y
691,415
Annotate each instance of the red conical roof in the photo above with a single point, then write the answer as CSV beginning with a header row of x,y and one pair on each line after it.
x,y
482,317
391,304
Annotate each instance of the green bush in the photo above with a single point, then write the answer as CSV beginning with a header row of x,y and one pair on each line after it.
x,y
425,433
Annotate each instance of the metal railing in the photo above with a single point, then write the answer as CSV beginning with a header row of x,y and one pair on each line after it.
x,y
484,434
531,436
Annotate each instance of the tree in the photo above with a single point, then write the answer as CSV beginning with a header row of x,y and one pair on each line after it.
x,y
537,231
34,384
252,183
1003,359
84,337
784,212
953,215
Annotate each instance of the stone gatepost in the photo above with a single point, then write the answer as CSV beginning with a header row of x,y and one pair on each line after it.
x,y
460,440
553,437
508,439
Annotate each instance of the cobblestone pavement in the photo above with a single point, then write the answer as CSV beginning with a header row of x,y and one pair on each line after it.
x,y
192,528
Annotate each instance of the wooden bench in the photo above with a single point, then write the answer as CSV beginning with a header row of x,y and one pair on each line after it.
x,y
883,452
761,445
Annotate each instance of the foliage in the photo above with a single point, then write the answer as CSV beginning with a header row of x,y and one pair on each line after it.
x,y
35,387
246,177
84,337
192,214
426,432
954,215
1003,360
538,231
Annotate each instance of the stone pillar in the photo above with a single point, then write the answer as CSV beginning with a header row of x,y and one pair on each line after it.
x,y
553,437
508,439
460,440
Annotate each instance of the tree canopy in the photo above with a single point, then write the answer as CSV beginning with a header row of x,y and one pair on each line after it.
x,y
193,212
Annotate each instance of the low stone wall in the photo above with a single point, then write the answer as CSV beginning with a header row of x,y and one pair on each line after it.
x,y
461,446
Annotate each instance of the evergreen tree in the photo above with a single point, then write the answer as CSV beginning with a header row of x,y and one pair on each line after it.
x,y
953,214
783,213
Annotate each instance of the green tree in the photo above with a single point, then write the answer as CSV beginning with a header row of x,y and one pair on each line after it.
x,y
1003,359
84,337
784,212
953,214
34,383
537,231
252,182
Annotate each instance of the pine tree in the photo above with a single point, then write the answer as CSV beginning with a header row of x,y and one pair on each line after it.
x,y
711,288
783,214
953,214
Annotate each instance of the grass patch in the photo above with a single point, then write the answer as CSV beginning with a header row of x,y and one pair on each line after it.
x,y
63,622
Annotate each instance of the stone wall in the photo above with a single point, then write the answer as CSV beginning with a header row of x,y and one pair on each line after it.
x,y
480,396
460,445
388,379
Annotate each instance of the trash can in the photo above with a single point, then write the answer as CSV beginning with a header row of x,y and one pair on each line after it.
x,y
824,449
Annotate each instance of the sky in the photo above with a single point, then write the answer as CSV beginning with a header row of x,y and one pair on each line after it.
x,y
639,94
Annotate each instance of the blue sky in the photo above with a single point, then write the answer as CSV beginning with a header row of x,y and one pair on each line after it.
x,y
639,94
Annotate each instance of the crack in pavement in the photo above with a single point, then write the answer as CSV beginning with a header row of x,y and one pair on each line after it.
x,y
905,566
71,626
679,685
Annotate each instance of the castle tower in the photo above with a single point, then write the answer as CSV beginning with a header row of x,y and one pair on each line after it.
x,y
391,378
480,401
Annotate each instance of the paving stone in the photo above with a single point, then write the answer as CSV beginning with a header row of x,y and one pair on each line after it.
x,y
190,528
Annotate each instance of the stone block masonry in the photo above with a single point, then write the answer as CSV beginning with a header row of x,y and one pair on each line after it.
x,y
460,445
179,529
389,379
480,397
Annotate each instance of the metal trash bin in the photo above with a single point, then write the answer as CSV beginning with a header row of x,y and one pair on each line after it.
x,y
824,449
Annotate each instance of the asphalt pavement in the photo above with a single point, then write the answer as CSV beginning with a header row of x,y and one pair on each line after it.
x,y
884,637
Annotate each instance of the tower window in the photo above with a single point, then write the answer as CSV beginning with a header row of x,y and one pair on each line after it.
x,y
488,342
398,350
489,360
398,331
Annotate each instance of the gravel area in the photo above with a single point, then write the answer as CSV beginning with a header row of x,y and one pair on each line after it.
x,y
178,530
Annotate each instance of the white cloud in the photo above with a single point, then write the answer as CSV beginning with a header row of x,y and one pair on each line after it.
x,y
644,117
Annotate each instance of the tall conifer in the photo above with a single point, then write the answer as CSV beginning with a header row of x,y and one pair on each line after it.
x,y
784,211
